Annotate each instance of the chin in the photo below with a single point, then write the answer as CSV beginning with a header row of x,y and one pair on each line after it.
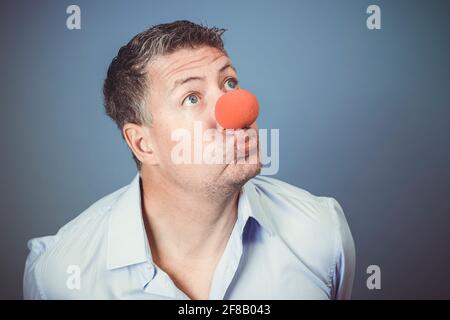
x,y
231,180
227,182
238,174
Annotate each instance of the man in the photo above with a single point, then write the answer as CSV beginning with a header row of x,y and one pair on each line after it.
x,y
190,231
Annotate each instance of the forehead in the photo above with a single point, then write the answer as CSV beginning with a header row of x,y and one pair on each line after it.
x,y
185,61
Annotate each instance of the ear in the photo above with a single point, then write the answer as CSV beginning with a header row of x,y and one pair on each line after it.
x,y
139,141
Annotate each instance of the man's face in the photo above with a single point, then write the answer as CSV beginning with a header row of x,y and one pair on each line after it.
x,y
184,89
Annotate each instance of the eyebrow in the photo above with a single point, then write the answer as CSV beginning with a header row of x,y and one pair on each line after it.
x,y
228,65
180,82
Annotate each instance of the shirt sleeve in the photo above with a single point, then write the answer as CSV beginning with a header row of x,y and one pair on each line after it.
x,y
31,281
344,270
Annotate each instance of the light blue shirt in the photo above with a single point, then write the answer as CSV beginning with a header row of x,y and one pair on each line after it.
x,y
285,244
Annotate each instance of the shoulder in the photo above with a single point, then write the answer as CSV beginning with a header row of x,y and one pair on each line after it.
x,y
294,203
76,244
313,227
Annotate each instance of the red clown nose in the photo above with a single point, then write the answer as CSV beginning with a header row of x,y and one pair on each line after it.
x,y
237,109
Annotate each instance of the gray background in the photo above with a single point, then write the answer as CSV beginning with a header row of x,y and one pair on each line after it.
x,y
363,117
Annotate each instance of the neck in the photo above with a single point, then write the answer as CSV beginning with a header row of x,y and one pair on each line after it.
x,y
184,225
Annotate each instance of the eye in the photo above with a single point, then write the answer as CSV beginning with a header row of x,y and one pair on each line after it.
x,y
190,101
231,84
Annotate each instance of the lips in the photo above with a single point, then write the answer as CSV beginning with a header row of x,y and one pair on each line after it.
x,y
247,146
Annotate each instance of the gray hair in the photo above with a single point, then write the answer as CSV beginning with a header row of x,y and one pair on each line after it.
x,y
126,83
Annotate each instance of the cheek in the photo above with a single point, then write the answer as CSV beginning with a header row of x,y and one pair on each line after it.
x,y
172,123
167,135
168,140
161,136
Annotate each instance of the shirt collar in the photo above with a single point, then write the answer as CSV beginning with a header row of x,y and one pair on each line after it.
x,y
250,204
127,242
127,239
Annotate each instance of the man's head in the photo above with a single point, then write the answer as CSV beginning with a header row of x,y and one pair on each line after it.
x,y
166,78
